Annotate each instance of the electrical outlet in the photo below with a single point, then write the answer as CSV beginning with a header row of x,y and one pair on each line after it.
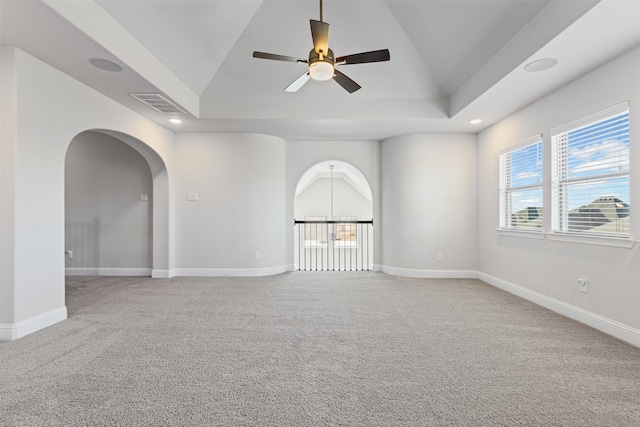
x,y
439,256
144,197
68,253
583,285
192,197
257,254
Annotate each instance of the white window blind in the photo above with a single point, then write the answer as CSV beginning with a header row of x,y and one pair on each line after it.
x,y
521,178
590,175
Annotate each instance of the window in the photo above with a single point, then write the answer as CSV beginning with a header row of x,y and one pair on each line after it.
x,y
590,175
521,186
346,233
318,232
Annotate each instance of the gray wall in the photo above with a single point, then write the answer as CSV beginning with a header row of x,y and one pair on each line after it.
x,y
48,109
547,268
107,225
429,205
240,181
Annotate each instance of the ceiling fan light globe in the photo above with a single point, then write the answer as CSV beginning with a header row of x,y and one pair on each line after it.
x,y
321,70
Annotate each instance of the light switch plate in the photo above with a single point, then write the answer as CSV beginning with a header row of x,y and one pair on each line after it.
x,y
584,285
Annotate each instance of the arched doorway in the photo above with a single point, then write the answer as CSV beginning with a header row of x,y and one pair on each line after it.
x,y
108,208
333,215
116,207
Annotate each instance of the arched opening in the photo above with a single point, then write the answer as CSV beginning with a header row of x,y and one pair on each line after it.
x,y
108,212
116,207
333,215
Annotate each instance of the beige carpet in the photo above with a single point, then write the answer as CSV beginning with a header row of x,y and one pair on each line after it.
x,y
300,349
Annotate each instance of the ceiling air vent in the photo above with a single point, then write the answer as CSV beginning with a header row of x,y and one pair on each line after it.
x,y
158,102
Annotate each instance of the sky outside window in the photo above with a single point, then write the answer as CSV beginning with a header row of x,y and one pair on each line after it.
x,y
599,150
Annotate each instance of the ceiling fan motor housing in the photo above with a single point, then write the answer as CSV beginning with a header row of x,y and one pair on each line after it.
x,y
315,57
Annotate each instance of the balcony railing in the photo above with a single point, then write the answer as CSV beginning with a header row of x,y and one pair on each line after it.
x,y
334,245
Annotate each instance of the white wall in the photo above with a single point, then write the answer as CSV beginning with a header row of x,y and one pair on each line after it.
x,y
108,227
546,270
47,110
429,205
363,155
240,180
347,201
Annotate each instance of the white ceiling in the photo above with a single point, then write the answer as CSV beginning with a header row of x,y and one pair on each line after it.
x,y
450,60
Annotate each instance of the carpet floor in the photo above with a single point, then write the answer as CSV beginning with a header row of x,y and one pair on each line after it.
x,y
313,349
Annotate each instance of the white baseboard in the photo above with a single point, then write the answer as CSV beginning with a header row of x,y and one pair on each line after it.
x,y
142,272
14,331
163,274
606,325
231,272
429,274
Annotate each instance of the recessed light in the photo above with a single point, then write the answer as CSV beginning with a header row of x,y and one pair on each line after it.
x,y
106,65
475,121
175,121
540,65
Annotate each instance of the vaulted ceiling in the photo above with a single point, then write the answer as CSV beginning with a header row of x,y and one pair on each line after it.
x,y
451,60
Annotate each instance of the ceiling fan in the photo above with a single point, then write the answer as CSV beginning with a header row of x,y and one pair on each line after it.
x,y
322,62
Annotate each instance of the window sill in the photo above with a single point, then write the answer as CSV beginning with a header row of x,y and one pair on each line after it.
x,y
592,240
569,238
520,233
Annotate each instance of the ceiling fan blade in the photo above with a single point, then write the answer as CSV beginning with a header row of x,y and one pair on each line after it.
x,y
298,83
320,35
364,57
344,81
275,57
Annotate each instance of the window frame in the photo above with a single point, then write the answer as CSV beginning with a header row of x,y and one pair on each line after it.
x,y
507,189
561,181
